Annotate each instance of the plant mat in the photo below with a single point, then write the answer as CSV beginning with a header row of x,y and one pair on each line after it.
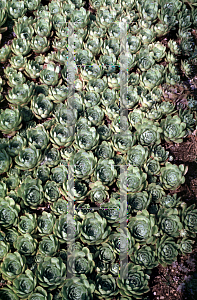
x,y
178,280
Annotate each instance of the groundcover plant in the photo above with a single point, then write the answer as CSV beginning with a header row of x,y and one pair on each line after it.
x,y
88,202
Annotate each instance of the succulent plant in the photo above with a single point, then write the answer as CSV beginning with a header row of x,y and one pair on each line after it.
x,y
123,142
148,133
98,192
37,137
169,221
132,180
48,246
77,285
8,212
105,253
31,192
45,223
137,156
51,191
4,53
138,201
28,158
105,171
94,229
59,174
160,153
135,284
25,244
14,77
81,262
121,241
10,121
186,246
22,30
114,212
59,207
27,224
39,44
32,69
82,163
21,46
188,216
169,201
100,286
24,284
12,265
144,256
66,228
42,173
5,161
65,116
152,167
43,27
41,106
49,75
143,228
51,273
3,190
167,250
6,293
172,176
75,190
173,129
20,94
52,157
40,292
4,249
156,192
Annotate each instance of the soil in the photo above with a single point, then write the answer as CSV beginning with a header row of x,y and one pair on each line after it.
x,y
178,281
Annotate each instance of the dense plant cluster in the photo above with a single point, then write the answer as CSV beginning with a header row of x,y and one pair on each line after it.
x,y
83,122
